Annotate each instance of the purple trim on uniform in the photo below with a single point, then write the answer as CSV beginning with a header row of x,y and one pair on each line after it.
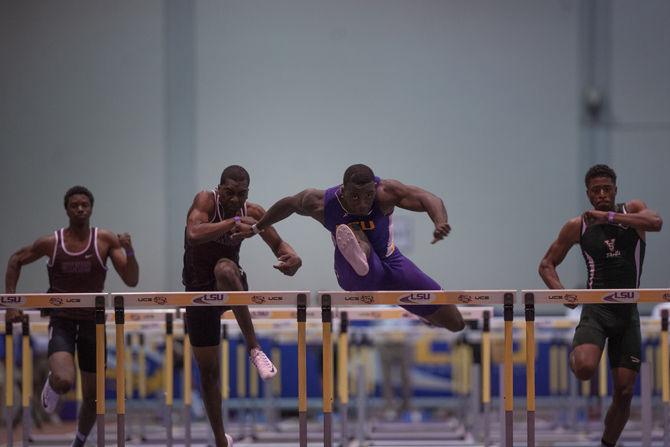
x,y
50,263
638,270
216,215
97,252
88,244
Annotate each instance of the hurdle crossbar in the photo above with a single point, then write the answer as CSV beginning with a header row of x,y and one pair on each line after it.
x,y
213,298
598,296
423,297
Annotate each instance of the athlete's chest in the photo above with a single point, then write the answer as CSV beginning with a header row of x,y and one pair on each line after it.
x,y
609,242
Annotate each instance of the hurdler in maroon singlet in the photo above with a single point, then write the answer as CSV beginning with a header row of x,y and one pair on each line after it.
x,y
82,272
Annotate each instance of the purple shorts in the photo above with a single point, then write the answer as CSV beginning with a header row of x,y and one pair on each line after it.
x,y
394,272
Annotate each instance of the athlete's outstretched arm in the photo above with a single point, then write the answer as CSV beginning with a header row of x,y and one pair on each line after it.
x,y
25,255
567,237
289,261
123,257
413,198
306,203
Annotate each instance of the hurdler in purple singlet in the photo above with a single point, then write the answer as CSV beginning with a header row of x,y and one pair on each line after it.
x,y
389,269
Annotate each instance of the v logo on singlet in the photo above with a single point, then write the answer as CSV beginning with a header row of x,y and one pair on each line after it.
x,y
611,246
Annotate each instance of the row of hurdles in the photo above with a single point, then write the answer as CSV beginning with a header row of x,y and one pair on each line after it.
x,y
474,304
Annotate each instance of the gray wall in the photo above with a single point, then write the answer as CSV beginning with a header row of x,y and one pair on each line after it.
x,y
82,103
479,102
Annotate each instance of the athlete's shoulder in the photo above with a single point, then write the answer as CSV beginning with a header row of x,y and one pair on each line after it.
x,y
45,243
106,235
204,196
635,206
571,230
204,201
254,210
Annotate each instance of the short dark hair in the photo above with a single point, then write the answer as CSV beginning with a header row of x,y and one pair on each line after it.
x,y
234,172
77,190
358,174
599,171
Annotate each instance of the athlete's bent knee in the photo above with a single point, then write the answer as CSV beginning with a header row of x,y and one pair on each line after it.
x,y
584,370
226,272
456,324
60,384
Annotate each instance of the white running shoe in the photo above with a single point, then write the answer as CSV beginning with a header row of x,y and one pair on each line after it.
x,y
49,397
230,440
266,369
351,249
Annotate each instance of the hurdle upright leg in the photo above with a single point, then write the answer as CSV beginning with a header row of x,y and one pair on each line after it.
x,y
120,372
100,368
225,376
665,374
326,319
26,378
509,371
169,378
188,385
530,369
645,399
486,377
9,379
343,377
302,369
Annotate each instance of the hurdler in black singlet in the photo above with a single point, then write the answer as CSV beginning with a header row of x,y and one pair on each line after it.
x,y
614,255
200,259
198,275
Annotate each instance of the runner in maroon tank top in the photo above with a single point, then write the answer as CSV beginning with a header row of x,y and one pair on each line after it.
x,y
211,262
77,264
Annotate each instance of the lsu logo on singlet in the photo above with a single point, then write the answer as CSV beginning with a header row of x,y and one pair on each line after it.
x,y
363,225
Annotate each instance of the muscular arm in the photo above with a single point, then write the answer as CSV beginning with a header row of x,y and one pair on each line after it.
x,y
306,203
394,193
289,261
198,228
126,266
567,237
26,255
639,217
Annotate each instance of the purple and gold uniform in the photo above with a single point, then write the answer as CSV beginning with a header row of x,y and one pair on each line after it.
x,y
389,269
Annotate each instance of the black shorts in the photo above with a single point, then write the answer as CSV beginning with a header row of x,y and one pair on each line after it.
x,y
65,334
204,322
620,325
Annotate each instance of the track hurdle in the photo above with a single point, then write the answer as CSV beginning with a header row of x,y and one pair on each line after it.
x,y
591,296
171,300
328,299
56,301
